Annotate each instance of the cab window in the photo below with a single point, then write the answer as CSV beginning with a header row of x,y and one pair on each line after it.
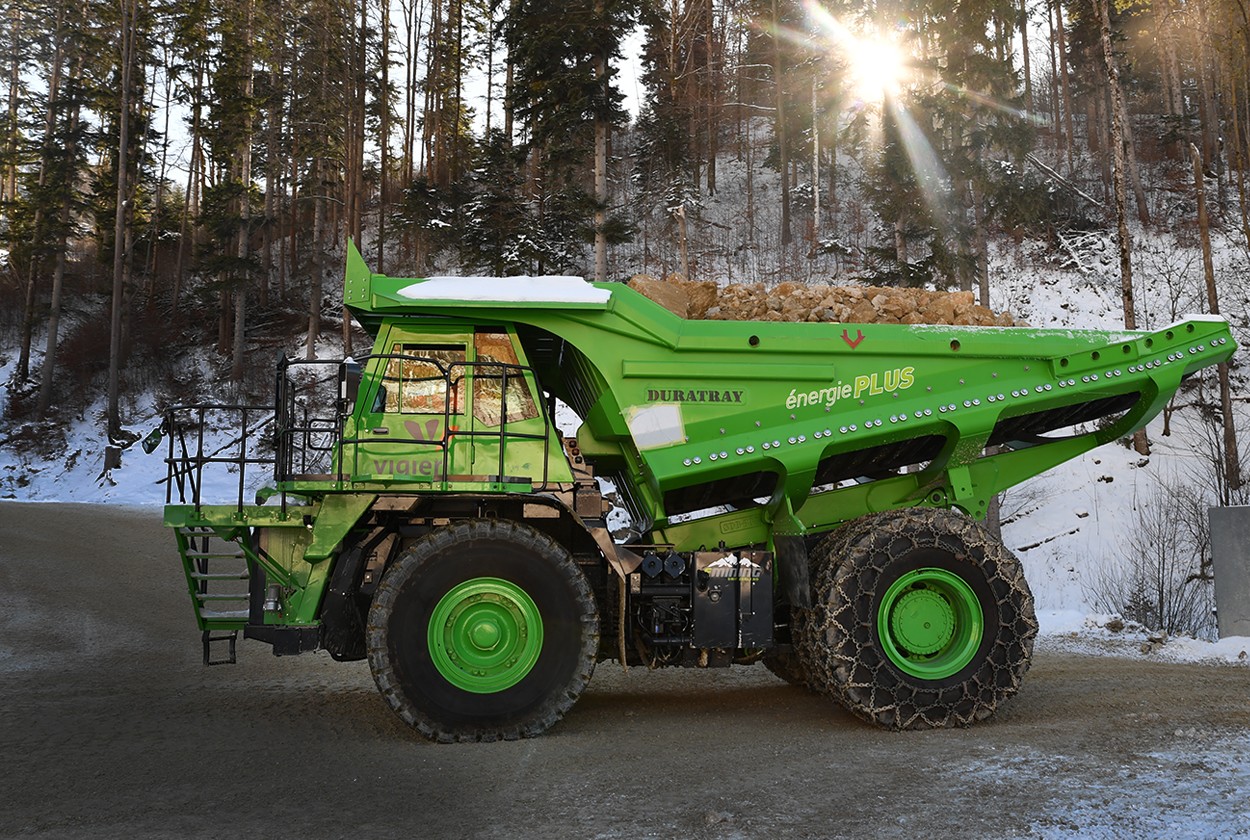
x,y
495,357
417,385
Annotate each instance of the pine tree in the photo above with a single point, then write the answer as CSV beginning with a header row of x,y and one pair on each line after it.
x,y
495,224
564,94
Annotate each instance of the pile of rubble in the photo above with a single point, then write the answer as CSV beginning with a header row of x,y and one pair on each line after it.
x,y
797,302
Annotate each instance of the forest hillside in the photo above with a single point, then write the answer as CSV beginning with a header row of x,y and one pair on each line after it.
x,y
179,179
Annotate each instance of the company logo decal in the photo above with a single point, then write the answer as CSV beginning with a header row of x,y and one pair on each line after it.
x,y
679,395
869,384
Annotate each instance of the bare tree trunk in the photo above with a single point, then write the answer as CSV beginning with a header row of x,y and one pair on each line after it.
x,y
1170,70
1208,109
601,161
22,373
1140,443
244,231
815,169
782,144
129,30
8,184
153,261
1119,178
432,118
980,248
384,141
457,165
289,266
1097,129
681,232
1055,115
1242,161
318,257
273,178
1063,84
507,88
1139,193
833,177
1024,51
750,186
358,156
964,246
47,371
189,203
715,59
1232,461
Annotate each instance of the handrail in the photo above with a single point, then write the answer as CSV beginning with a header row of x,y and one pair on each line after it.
x,y
298,442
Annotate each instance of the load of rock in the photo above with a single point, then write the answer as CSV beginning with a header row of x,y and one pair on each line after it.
x,y
799,302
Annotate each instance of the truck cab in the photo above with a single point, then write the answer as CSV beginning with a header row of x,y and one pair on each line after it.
x,y
441,405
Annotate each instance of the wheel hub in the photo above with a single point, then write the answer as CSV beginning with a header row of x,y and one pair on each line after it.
x,y
922,621
930,623
485,635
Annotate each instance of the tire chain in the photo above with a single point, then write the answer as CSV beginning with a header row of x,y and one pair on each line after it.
x,y
835,642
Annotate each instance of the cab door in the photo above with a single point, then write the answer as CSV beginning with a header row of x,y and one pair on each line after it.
x,y
512,438
418,401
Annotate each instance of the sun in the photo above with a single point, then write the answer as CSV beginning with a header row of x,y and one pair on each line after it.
x,y
876,67
875,62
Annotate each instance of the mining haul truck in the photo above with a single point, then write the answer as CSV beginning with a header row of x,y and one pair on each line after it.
x,y
805,495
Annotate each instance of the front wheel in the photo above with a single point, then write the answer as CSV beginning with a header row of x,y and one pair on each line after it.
x,y
923,619
483,630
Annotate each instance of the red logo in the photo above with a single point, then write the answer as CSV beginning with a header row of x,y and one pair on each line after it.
x,y
859,336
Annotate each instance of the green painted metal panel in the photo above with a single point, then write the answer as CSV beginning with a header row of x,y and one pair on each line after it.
x,y
685,407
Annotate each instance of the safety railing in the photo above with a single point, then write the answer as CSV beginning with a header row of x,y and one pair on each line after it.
x,y
218,451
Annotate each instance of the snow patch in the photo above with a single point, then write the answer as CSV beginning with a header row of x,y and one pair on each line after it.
x,y
543,289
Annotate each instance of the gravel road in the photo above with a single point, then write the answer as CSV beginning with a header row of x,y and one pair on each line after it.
x,y
111,727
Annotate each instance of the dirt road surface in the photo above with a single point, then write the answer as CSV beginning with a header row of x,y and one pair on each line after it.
x,y
111,727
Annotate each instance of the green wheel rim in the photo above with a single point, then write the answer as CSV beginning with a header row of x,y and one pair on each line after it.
x,y
930,623
485,635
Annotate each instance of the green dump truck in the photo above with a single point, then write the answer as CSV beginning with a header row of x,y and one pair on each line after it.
x,y
800,494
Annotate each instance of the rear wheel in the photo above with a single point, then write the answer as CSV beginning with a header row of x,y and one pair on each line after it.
x,y
787,667
481,631
922,619
790,665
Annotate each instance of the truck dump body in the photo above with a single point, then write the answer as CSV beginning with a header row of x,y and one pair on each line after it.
x,y
802,494
775,419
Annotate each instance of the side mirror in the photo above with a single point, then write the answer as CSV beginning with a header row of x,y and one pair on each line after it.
x,y
350,383
154,439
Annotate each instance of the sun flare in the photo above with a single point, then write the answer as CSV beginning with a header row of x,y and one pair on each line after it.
x,y
877,67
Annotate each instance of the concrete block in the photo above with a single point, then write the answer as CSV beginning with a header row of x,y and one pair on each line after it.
x,y
1230,557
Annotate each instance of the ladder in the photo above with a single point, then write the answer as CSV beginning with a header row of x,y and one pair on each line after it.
x,y
218,582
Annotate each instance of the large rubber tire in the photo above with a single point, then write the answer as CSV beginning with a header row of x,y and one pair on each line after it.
x,y
481,631
922,619
790,665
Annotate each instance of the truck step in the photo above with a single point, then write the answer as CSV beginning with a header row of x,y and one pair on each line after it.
x,y
217,581
209,639
219,575
224,615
